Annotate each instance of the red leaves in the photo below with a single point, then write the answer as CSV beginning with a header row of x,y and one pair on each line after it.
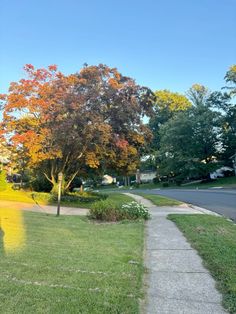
x,y
88,116
28,67
40,74
2,133
52,68
3,96
122,144
21,138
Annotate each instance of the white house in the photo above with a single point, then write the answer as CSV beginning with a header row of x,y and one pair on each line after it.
x,y
219,173
108,179
147,176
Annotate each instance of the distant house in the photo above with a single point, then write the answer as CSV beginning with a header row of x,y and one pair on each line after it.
x,y
147,176
108,179
219,173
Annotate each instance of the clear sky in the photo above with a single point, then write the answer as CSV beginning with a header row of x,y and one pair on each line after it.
x,y
162,44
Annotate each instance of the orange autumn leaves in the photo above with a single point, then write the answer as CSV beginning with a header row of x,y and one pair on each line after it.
x,y
25,112
89,118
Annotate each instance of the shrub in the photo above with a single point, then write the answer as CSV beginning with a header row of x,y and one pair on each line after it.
x,y
16,186
109,211
42,197
3,182
81,197
165,184
178,182
106,211
156,180
76,183
228,173
134,210
41,184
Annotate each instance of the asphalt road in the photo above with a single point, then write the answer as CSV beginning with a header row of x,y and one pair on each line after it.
x,y
220,201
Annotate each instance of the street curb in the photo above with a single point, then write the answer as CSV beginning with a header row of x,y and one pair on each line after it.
x,y
204,210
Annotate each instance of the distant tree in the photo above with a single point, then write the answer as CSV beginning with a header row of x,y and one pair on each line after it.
x,y
226,103
189,141
230,78
223,103
167,105
198,94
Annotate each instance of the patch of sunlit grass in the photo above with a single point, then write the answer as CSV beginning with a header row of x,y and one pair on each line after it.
x,y
12,231
71,265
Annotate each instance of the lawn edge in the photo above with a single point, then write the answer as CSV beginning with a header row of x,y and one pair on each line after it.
x,y
205,262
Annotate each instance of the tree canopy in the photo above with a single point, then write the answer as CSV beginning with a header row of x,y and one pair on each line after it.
x,y
92,121
167,104
65,123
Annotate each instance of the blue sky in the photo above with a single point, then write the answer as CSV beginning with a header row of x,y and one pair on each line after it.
x,y
162,44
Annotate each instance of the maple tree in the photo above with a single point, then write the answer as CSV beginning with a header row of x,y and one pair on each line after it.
x,y
64,123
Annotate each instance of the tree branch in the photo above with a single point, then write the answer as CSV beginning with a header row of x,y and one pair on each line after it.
x,y
71,179
47,177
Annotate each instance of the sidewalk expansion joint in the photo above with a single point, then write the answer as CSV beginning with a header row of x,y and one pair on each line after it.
x,y
170,249
177,272
189,300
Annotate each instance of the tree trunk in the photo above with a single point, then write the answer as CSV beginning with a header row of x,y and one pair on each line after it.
x,y
55,186
54,189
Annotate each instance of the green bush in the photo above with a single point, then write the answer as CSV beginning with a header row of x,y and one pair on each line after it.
x,y
108,211
134,210
73,198
83,197
16,186
156,180
76,183
41,184
178,182
165,184
105,211
3,182
42,197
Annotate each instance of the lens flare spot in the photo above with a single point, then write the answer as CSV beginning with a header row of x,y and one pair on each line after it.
x,y
12,232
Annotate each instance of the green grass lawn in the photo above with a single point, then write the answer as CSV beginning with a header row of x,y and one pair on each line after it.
x,y
223,182
160,200
45,198
229,182
215,240
69,264
119,198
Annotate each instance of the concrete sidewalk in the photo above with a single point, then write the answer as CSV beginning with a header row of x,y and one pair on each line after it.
x,y
177,282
